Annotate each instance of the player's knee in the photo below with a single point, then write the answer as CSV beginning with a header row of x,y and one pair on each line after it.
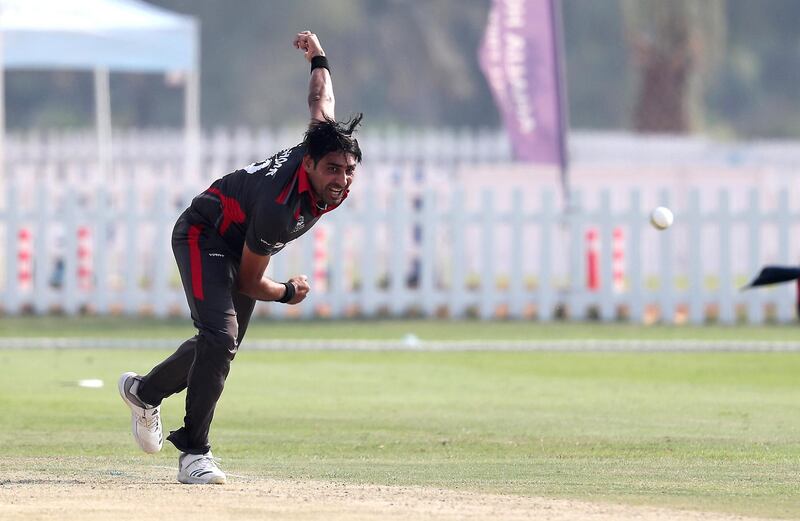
x,y
219,344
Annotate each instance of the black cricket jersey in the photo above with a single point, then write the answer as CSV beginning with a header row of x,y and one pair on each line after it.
x,y
266,204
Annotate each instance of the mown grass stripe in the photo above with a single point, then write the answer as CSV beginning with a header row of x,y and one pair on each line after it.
x,y
419,345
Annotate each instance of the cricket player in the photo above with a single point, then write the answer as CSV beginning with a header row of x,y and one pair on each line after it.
x,y
222,244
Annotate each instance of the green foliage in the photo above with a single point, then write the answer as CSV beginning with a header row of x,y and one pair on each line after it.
x,y
413,63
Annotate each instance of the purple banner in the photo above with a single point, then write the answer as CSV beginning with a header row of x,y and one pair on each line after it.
x,y
520,57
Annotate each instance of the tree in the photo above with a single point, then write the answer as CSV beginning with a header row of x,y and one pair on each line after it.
x,y
675,46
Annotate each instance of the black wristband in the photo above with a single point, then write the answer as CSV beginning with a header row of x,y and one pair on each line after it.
x,y
320,61
289,294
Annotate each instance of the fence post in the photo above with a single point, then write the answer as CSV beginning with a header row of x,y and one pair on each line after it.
x,y
755,304
666,269
727,313
398,289
161,222
545,296
427,261
636,289
577,281
337,271
102,209
69,288
696,269
12,229
517,284
42,260
784,291
131,276
458,223
488,284
606,269
369,257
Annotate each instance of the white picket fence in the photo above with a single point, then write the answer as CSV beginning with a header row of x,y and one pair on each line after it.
x,y
399,254
416,237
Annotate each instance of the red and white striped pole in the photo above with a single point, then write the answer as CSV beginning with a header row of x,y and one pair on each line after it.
x,y
618,259
25,259
321,258
592,259
84,258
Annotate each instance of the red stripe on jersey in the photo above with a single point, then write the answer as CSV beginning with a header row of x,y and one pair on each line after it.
x,y
303,184
231,210
287,190
195,261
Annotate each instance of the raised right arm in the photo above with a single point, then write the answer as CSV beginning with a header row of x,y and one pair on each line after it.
x,y
320,88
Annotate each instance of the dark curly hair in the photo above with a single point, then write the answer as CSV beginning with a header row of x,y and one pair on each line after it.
x,y
323,137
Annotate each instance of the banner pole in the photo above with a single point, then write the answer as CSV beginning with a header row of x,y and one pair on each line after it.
x,y
563,107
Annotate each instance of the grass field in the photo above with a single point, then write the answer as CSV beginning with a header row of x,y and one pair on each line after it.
x,y
699,431
121,327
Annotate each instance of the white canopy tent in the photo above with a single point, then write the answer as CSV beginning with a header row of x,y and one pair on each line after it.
x,y
103,36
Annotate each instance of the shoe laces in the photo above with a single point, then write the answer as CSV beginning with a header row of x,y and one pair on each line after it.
x,y
206,462
150,419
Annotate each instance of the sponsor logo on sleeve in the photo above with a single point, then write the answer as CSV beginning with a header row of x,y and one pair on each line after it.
x,y
272,247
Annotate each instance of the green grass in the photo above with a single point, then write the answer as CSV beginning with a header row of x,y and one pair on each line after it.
x,y
121,327
713,431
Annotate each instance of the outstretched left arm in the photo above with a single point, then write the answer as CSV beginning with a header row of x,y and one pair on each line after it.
x,y
320,88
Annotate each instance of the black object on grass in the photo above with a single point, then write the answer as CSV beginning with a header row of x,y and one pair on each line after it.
x,y
777,275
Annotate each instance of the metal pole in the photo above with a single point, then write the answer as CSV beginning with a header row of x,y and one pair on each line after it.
x,y
102,109
563,109
192,116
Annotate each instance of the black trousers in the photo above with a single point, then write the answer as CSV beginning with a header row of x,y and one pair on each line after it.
x,y
220,314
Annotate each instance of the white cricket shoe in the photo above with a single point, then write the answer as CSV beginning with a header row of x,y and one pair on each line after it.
x,y
199,469
145,419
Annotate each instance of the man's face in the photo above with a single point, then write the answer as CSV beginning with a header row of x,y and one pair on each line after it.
x,y
331,176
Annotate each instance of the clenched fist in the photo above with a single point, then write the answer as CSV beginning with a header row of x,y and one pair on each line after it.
x,y
308,42
301,289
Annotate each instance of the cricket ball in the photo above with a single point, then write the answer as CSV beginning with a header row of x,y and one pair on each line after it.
x,y
661,218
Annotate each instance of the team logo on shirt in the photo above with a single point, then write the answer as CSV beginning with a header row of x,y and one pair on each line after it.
x,y
301,222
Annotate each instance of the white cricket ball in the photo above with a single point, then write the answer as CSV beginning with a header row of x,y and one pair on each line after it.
x,y
661,218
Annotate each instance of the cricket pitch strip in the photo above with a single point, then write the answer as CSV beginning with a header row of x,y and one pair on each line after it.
x,y
33,490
